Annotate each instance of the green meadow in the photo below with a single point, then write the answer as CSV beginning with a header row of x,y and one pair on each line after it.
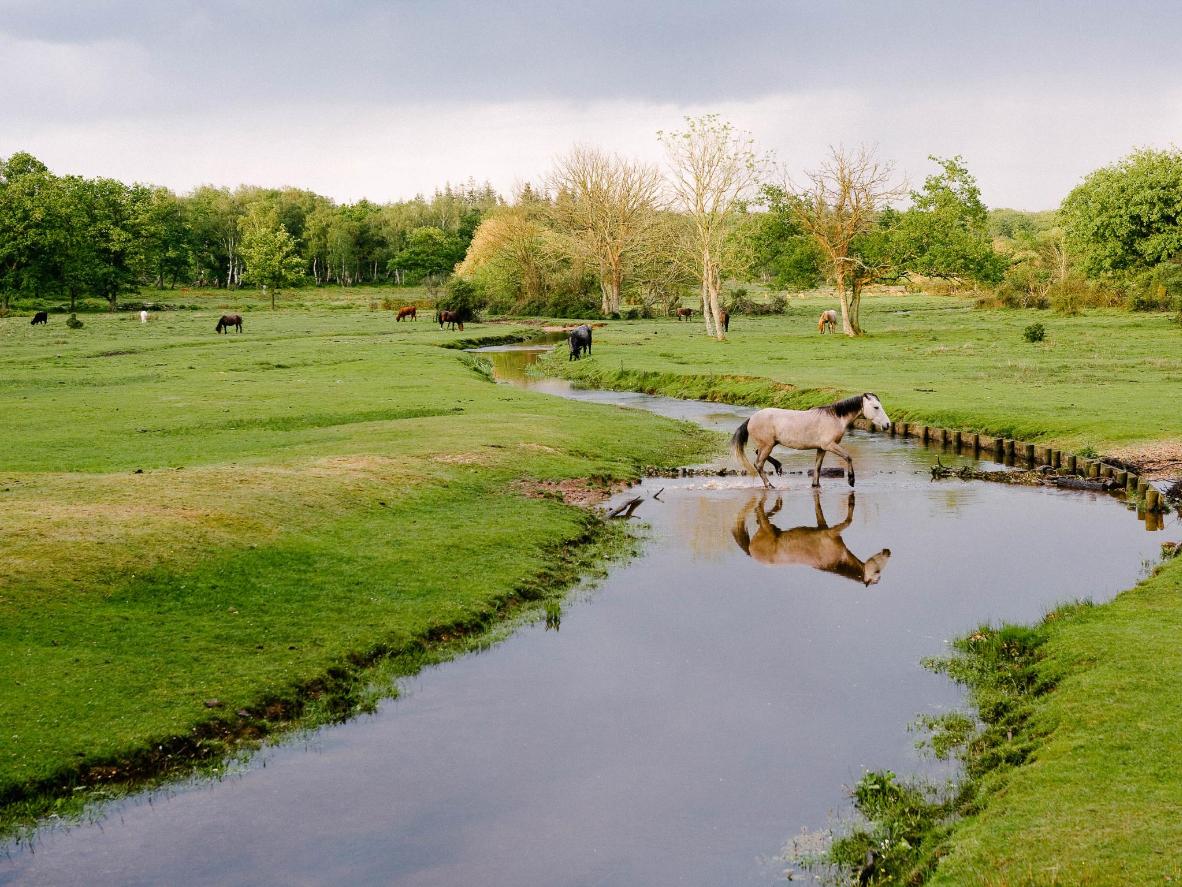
x,y
202,533
1104,380
248,519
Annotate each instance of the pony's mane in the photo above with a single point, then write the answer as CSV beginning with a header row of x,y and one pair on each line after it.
x,y
843,408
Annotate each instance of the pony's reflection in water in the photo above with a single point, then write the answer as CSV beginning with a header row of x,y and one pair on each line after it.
x,y
819,547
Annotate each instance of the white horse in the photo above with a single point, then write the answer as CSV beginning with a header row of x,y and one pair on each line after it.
x,y
827,321
820,428
143,317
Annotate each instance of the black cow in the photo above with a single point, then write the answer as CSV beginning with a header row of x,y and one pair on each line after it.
x,y
580,341
39,317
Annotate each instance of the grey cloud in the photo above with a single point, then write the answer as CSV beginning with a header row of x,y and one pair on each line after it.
x,y
208,54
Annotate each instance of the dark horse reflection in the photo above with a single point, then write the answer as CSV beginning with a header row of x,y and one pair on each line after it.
x,y
819,547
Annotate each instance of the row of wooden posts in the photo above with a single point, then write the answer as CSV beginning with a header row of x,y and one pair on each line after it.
x,y
1010,452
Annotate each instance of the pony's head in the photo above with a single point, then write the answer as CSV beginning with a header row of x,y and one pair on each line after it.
x,y
874,413
872,568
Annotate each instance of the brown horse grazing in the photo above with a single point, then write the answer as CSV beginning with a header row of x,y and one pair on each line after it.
x,y
725,319
39,317
451,318
227,321
820,547
685,313
408,311
827,321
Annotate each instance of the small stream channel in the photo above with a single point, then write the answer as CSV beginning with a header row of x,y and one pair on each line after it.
x,y
693,712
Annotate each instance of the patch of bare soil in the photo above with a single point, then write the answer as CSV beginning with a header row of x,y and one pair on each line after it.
x,y
573,491
1162,459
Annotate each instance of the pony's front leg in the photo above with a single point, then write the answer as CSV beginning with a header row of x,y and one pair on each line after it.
x,y
838,450
817,468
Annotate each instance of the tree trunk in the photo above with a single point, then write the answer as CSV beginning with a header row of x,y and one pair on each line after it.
x,y
707,313
847,325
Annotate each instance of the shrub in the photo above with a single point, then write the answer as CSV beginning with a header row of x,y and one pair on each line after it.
x,y
1158,289
462,297
738,301
1036,332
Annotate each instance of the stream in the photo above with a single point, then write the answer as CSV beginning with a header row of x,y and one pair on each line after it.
x,y
690,714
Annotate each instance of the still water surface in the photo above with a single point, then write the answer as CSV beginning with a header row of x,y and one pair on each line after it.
x,y
692,713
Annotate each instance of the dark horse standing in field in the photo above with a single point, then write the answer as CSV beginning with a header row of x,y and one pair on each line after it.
x,y
580,341
227,321
39,317
685,313
451,318
820,428
409,311
725,319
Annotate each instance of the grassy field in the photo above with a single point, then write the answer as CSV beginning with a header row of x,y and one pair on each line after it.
x,y
190,517
330,485
1106,380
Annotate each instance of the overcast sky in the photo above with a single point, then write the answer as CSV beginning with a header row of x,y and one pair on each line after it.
x,y
361,98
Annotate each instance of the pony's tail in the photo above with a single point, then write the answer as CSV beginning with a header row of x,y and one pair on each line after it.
x,y
738,447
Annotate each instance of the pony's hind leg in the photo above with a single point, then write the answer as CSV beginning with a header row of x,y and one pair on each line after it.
x,y
761,457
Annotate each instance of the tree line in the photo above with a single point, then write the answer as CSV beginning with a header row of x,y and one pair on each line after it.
x,y
599,231
64,236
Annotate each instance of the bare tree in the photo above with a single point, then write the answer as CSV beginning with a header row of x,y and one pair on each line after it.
x,y
840,201
713,170
606,206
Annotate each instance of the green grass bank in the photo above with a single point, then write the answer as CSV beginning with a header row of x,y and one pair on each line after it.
x,y
255,518
1102,380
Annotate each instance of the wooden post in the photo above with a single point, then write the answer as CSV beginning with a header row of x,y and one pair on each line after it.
x,y
1152,500
924,433
1011,449
958,439
999,449
1142,486
1093,468
1056,458
1105,470
976,444
1073,464
1131,484
1029,454
1121,478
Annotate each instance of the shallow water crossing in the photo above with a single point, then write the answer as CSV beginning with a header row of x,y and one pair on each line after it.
x,y
690,715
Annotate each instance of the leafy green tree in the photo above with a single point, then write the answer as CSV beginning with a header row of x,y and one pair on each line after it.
x,y
269,252
116,236
945,231
27,232
780,251
1126,217
429,251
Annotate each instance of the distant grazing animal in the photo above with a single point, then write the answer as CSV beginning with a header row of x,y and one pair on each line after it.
x,y
229,320
725,319
580,341
143,317
827,321
820,547
451,318
39,317
408,311
685,313
820,428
